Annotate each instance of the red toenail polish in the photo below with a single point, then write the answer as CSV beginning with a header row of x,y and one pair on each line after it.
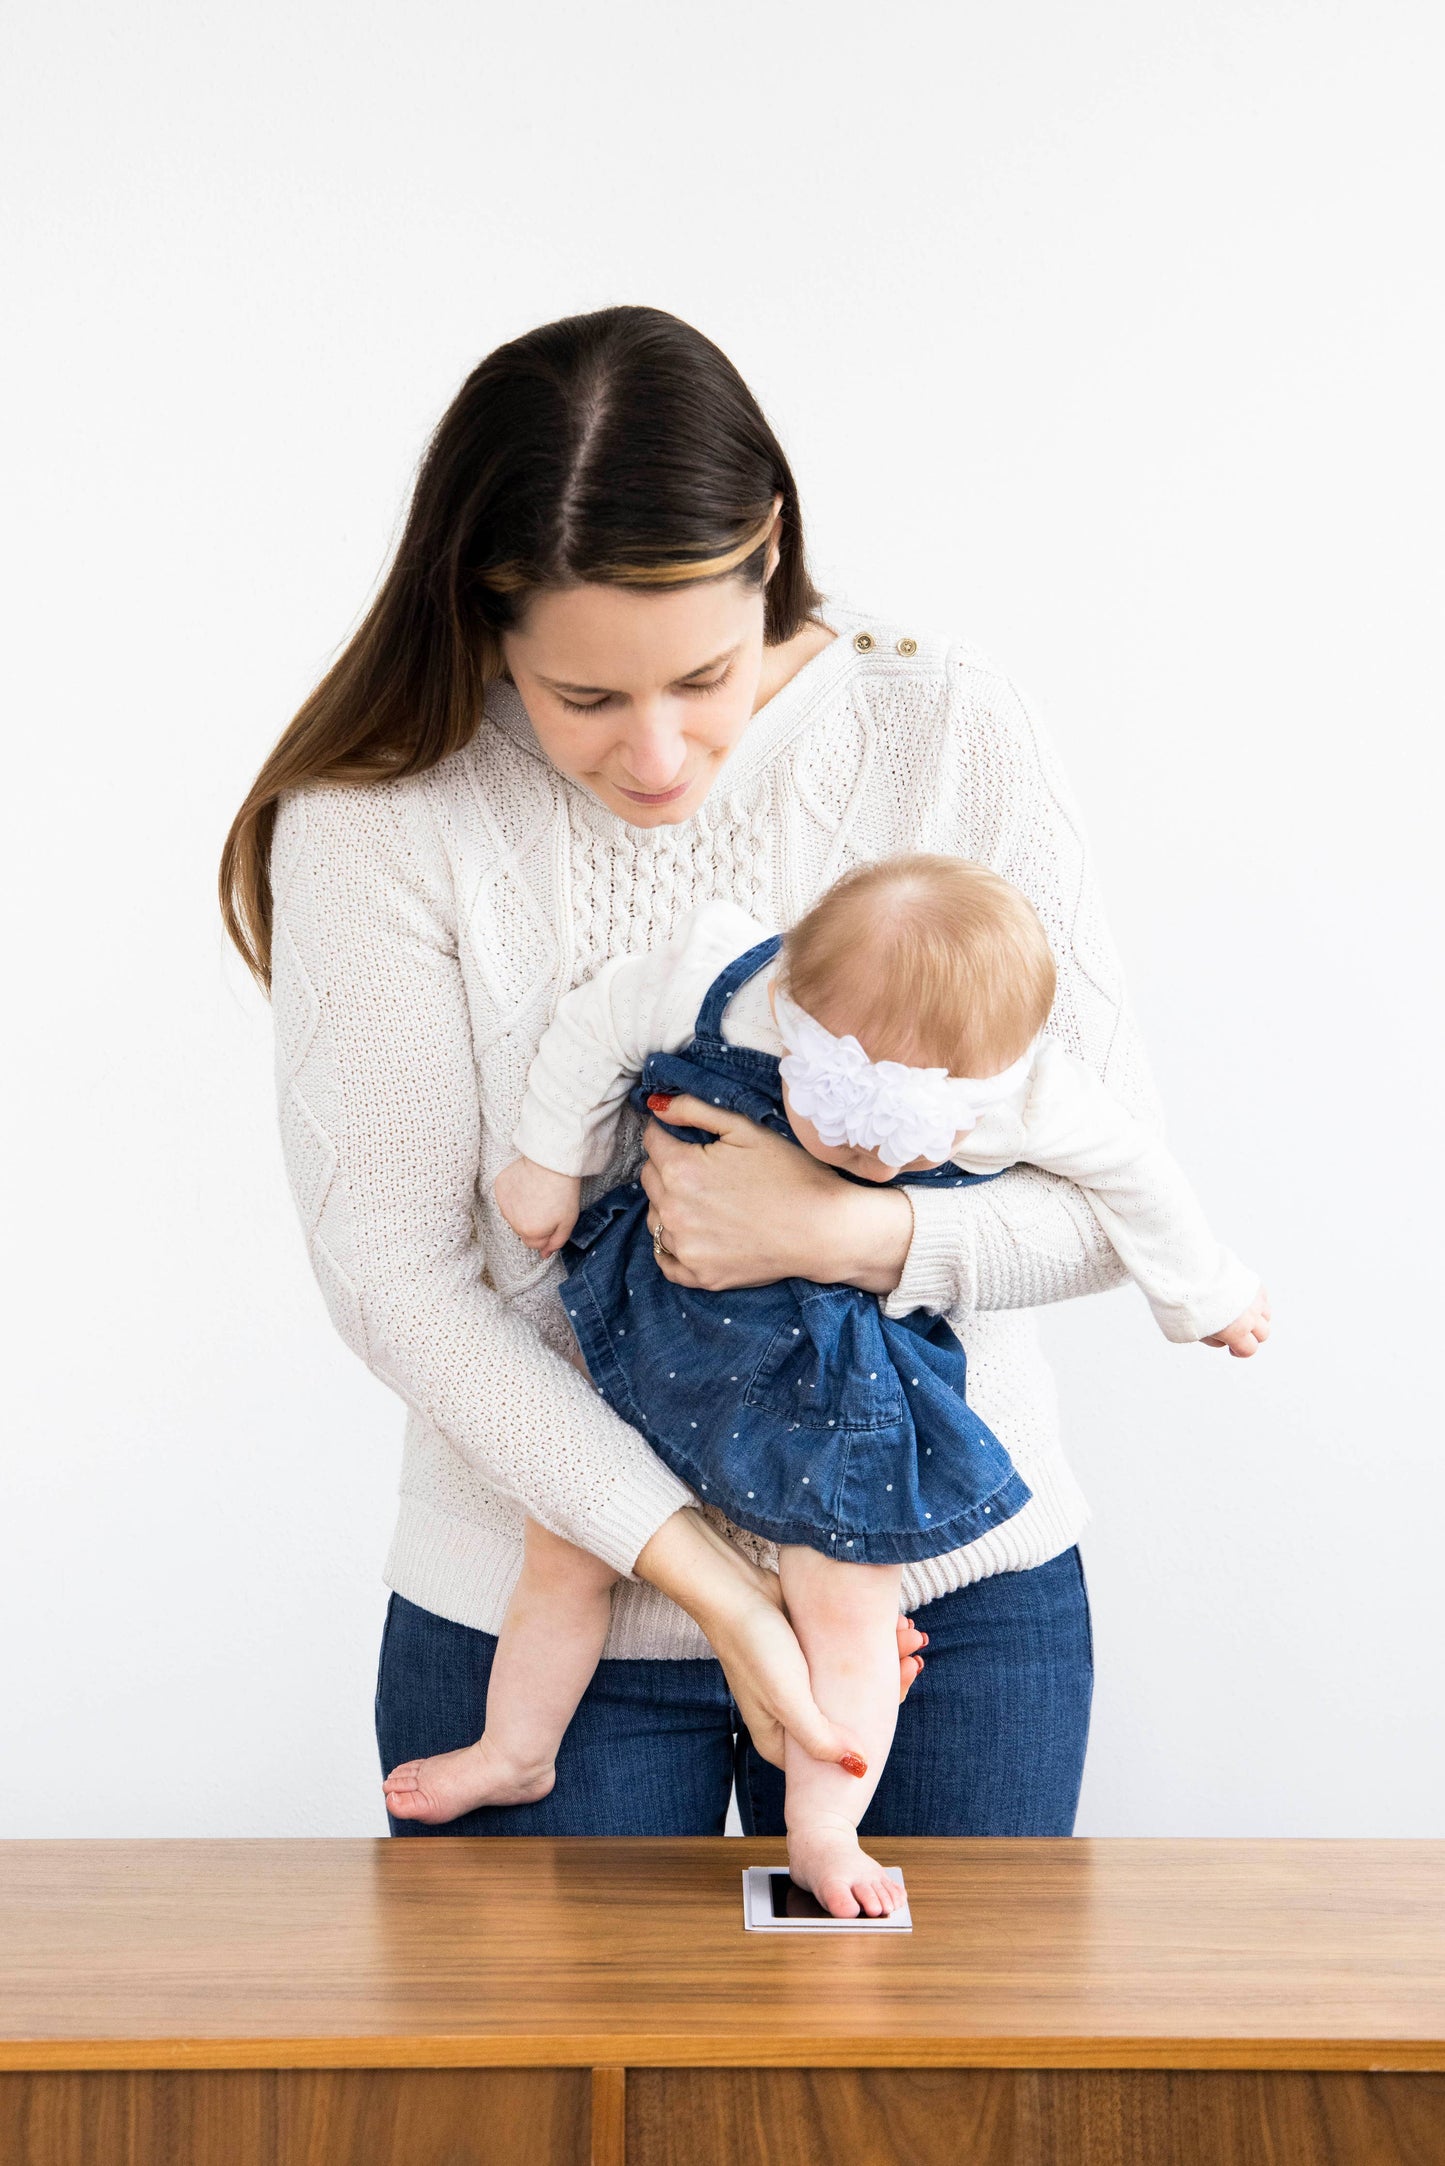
x,y
659,1101
852,1765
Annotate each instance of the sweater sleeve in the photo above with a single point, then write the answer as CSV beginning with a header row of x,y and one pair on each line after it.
x,y
1029,1237
381,1135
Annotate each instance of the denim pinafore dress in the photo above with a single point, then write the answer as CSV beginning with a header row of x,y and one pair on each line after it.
x,y
800,1409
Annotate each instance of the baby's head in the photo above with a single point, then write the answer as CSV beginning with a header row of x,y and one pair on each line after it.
x,y
926,961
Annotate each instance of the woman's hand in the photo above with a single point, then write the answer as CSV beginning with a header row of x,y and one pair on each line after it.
x,y
753,1207
910,1661
740,1608
743,1619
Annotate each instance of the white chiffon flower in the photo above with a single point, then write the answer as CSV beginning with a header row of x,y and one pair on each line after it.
x,y
830,1080
913,1114
901,1112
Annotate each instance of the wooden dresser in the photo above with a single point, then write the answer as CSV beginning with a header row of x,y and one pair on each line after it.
x,y
440,2003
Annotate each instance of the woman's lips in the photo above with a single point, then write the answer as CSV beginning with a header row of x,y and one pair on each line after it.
x,y
655,797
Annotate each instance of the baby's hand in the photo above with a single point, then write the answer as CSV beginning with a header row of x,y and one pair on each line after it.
x,y
538,1204
1248,1332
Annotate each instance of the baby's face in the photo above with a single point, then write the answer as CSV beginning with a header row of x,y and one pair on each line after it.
x,y
866,1164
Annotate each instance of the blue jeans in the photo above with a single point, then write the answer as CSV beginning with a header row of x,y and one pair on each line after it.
x,y
990,1740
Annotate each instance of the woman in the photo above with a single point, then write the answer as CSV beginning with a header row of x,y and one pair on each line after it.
x,y
598,686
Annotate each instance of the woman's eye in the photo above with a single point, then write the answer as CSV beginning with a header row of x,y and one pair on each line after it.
x,y
590,706
714,684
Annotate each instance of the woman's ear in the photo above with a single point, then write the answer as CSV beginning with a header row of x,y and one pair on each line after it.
x,y
775,548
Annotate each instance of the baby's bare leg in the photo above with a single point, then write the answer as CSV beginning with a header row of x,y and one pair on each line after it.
x,y
548,1647
846,1619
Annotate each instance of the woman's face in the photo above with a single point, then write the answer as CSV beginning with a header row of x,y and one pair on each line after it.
x,y
641,695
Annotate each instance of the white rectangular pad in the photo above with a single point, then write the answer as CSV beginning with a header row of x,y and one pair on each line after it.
x,y
759,1917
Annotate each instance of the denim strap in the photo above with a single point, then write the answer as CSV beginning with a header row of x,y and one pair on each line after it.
x,y
726,983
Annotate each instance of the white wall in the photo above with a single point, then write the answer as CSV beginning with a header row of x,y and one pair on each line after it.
x,y
1109,337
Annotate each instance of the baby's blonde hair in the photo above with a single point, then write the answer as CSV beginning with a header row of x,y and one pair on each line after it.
x,y
927,959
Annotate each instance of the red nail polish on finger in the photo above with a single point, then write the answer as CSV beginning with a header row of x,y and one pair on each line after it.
x,y
852,1765
659,1101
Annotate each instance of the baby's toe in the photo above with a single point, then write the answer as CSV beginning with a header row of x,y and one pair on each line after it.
x,y
837,1898
406,1804
877,1894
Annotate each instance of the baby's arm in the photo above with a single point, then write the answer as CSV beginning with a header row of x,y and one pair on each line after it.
x,y
1073,1125
590,1055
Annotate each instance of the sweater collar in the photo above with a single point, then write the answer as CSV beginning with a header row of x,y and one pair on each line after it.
x,y
772,726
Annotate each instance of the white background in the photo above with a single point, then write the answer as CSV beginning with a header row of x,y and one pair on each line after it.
x,y
1108,337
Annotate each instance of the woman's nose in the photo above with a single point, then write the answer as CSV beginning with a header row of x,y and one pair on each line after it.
x,y
653,749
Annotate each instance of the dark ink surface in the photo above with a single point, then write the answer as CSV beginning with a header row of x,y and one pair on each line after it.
x,y
791,1901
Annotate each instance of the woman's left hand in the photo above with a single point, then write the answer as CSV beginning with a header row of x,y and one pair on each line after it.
x,y
753,1207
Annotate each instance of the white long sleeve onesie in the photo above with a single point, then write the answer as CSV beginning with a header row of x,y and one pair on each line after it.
x,y
1062,1118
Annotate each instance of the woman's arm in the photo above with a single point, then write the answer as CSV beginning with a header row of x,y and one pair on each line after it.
x,y
381,1134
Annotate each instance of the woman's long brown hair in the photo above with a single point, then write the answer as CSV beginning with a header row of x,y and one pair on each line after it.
x,y
620,447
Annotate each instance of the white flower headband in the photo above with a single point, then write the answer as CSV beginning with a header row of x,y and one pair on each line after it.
x,y
903,1113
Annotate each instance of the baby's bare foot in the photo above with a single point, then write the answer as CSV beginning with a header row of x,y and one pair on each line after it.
x,y
451,1783
826,1858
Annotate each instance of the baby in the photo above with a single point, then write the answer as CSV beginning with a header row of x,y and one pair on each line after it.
x,y
804,1412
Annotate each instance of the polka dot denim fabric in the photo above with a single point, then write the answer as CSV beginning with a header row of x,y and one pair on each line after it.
x,y
800,1409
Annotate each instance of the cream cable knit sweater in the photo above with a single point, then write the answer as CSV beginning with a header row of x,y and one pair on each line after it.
x,y
426,929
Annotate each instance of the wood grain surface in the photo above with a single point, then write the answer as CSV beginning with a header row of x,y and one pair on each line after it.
x,y
1032,2117
509,1955
609,2117
301,2117
718,2117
